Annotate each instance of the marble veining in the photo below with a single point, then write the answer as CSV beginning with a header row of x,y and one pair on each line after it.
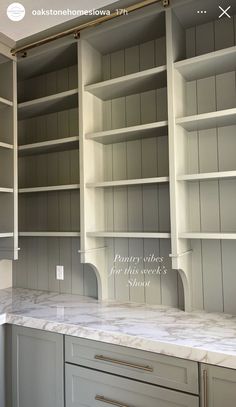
x,y
198,336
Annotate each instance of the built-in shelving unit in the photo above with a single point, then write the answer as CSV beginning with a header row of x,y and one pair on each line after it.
x,y
126,150
8,156
49,177
124,153
202,113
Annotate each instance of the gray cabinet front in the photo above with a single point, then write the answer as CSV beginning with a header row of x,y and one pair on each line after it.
x,y
218,386
87,387
166,371
37,368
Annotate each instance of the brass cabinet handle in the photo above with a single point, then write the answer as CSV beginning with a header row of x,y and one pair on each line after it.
x,y
110,401
205,395
123,363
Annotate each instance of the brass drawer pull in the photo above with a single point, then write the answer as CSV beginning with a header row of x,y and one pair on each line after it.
x,y
123,363
110,401
205,387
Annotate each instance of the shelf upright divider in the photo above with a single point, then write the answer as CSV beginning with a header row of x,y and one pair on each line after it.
x,y
181,252
93,250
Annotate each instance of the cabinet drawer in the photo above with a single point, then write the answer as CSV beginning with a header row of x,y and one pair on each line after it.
x,y
86,387
166,371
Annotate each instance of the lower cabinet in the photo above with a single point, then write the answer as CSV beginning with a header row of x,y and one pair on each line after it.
x,y
37,368
99,374
218,386
86,387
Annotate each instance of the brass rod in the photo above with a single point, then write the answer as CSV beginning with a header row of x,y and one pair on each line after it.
x,y
93,23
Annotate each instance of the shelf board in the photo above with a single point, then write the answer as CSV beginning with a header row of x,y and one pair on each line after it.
x,y
5,103
130,133
129,84
49,189
48,104
49,234
213,63
51,145
140,235
7,190
6,145
142,181
210,120
207,176
4,235
203,235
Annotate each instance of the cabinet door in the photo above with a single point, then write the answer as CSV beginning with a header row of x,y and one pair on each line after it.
x,y
37,368
218,386
91,388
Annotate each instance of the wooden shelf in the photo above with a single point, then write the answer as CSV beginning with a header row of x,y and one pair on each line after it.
x,y
206,65
130,133
210,120
4,235
6,145
129,84
142,181
5,102
207,176
51,145
7,190
49,234
203,235
49,188
138,235
48,104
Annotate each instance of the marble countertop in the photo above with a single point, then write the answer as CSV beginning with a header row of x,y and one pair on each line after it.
x,y
197,336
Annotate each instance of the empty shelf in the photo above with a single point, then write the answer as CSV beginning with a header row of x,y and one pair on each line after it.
x,y
207,176
203,235
49,189
206,121
205,65
129,84
51,145
48,104
140,235
6,145
6,190
3,235
5,102
130,133
49,234
142,181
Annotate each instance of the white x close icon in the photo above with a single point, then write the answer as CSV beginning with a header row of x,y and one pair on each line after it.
x,y
224,12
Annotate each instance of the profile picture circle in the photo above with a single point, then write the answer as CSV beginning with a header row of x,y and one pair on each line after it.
x,y
16,12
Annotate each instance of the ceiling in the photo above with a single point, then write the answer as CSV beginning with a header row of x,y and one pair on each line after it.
x,y
34,24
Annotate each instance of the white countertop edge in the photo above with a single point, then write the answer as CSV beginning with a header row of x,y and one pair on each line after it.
x,y
195,354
